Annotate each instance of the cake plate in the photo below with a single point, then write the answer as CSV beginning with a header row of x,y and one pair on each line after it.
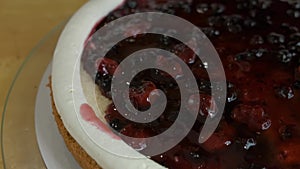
x,y
29,136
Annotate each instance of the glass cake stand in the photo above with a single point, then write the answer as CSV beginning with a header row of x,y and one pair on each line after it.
x,y
29,135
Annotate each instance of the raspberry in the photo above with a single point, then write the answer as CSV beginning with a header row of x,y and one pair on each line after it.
x,y
140,96
106,66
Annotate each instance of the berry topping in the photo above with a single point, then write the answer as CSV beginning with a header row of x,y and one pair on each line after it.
x,y
106,66
114,118
222,138
141,96
258,42
286,131
171,65
249,143
297,73
276,38
132,131
285,92
202,8
253,116
289,153
136,29
207,104
285,56
186,54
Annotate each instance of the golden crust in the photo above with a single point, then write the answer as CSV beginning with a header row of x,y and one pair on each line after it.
x,y
81,156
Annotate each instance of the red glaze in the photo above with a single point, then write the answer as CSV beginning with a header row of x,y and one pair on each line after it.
x,y
257,42
289,152
88,114
253,116
140,97
220,139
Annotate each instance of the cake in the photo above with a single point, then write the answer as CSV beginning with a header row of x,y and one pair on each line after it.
x,y
259,46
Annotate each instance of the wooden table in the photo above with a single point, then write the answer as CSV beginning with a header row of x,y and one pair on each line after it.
x,y
22,25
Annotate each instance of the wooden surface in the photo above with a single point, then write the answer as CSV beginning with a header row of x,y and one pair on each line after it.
x,y
22,24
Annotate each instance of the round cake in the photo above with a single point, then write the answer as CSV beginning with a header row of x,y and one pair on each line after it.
x,y
258,43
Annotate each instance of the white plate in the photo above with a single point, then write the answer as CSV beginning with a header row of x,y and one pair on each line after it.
x,y
51,144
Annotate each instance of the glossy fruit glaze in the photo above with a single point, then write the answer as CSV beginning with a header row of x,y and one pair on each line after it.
x,y
259,45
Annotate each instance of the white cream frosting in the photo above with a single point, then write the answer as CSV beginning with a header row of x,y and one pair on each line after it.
x,y
66,85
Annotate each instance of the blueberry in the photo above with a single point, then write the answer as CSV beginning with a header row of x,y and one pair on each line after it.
x,y
249,23
266,125
285,56
195,155
242,5
104,82
236,28
289,28
116,124
244,55
233,23
286,132
253,13
216,21
110,18
297,85
294,46
257,40
169,11
202,8
275,38
268,20
297,77
295,37
265,4
186,7
204,85
233,19
130,40
259,52
250,143
217,8
249,55
253,3
297,5
285,92
132,4
210,31
231,96
165,40
198,158
293,13
230,85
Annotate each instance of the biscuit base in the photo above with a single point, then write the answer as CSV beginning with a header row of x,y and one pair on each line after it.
x,y
80,155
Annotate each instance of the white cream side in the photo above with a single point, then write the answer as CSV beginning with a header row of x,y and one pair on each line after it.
x,y
68,50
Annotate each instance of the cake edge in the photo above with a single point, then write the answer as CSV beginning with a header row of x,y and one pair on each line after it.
x,y
80,155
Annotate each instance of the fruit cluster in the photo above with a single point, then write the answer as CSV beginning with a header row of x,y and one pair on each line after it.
x,y
259,45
